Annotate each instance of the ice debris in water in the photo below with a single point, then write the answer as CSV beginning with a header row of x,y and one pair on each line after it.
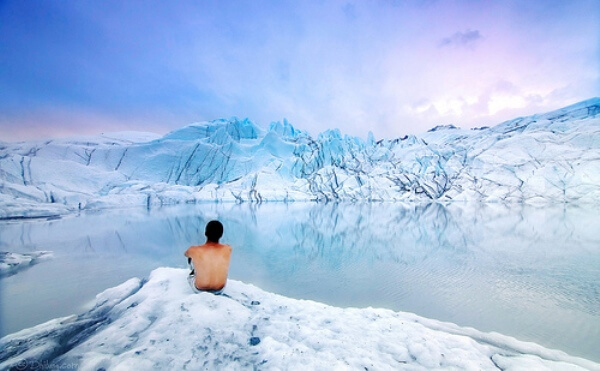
x,y
12,262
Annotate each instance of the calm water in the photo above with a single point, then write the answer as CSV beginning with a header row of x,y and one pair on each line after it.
x,y
532,273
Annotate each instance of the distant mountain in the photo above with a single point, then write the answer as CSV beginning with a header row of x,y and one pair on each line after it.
x,y
551,157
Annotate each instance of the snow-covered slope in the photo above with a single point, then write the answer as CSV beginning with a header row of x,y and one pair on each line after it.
x,y
552,157
161,324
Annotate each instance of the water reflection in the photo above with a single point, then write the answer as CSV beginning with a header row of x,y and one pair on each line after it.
x,y
530,272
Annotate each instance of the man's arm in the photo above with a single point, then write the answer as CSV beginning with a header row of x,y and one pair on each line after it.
x,y
187,255
189,259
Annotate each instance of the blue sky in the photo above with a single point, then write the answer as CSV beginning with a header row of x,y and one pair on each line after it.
x,y
391,67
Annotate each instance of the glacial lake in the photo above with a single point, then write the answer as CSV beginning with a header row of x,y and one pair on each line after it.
x,y
529,272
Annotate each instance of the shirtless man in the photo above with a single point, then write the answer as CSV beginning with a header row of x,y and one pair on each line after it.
x,y
210,261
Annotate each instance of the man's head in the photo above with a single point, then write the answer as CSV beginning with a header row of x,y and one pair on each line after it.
x,y
214,231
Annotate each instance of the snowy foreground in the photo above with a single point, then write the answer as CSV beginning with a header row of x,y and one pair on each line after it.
x,y
159,324
551,157
11,262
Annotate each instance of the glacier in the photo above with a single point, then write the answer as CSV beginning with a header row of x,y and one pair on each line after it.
x,y
544,158
158,323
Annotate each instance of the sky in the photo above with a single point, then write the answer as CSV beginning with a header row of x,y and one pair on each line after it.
x,y
392,67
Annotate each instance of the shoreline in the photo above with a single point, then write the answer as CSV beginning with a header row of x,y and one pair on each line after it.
x,y
42,212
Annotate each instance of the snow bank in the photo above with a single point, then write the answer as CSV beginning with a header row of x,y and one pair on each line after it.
x,y
11,262
161,324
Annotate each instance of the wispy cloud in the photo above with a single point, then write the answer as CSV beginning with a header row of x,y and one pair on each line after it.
x,y
469,37
388,67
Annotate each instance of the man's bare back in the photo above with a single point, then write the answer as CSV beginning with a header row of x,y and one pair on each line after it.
x,y
211,264
211,260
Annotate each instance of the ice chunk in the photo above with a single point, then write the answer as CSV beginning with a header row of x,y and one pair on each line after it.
x,y
12,262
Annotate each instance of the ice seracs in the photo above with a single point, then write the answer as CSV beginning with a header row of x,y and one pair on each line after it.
x,y
159,323
545,158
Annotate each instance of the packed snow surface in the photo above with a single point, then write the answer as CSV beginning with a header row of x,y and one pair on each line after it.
x,y
552,157
160,324
12,262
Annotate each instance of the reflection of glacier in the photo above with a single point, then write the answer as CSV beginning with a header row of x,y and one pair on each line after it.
x,y
507,268
400,233
338,231
548,157
544,242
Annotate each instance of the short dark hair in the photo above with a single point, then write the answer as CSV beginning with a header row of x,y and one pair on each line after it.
x,y
214,231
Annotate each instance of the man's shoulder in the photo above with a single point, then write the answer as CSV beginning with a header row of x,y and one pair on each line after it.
x,y
210,246
194,248
224,246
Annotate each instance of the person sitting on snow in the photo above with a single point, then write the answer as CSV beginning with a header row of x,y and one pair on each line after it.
x,y
209,262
